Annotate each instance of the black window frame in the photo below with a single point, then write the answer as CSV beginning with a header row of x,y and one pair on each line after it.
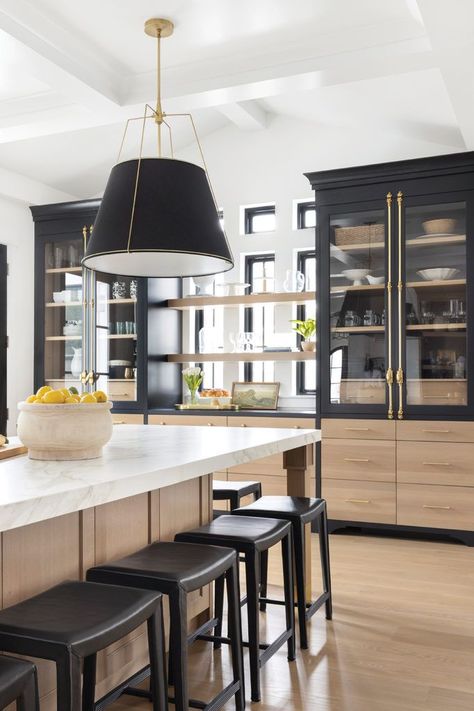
x,y
301,211
251,212
250,260
301,389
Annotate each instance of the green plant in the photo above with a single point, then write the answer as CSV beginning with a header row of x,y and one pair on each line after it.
x,y
193,379
305,328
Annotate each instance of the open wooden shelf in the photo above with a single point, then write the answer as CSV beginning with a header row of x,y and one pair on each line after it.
x,y
436,327
64,338
357,329
53,304
63,270
198,302
240,357
436,283
115,336
118,301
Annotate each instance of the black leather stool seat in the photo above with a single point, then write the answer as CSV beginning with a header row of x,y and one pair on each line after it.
x,y
177,569
252,536
299,511
234,491
241,534
305,509
18,683
170,564
73,621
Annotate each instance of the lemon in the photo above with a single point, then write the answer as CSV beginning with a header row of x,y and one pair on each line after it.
x,y
53,397
65,392
71,400
38,401
88,397
42,391
32,398
100,396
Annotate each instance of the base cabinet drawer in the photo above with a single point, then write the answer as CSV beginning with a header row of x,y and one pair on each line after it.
x,y
127,419
436,506
430,431
357,429
444,463
295,423
370,501
197,420
370,460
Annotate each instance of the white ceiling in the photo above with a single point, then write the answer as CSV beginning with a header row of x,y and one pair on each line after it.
x,y
72,72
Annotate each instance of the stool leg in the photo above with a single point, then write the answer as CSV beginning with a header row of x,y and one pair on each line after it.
x,y
179,649
28,700
235,633
325,564
88,683
263,578
219,608
253,582
287,563
234,500
68,676
258,493
156,648
299,547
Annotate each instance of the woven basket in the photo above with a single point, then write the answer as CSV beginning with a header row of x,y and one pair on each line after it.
x,y
359,235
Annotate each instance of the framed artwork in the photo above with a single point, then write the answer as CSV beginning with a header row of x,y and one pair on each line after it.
x,y
255,396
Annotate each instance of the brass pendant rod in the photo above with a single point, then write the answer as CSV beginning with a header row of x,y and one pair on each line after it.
x,y
159,112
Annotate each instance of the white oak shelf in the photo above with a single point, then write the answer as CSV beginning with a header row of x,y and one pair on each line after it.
x,y
358,329
357,287
63,270
53,304
436,283
64,338
240,357
436,327
117,301
422,241
116,336
248,300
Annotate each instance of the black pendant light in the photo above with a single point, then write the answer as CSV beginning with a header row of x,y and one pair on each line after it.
x,y
158,216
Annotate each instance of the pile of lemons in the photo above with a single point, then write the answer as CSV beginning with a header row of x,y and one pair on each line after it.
x,y
47,396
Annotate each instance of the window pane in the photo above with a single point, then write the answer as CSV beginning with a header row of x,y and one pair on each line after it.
x,y
263,222
309,218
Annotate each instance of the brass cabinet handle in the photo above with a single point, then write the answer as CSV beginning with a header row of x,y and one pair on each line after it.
x,y
389,373
242,425
119,422
357,429
358,501
353,459
400,375
296,427
210,424
430,506
112,395
437,431
162,423
436,464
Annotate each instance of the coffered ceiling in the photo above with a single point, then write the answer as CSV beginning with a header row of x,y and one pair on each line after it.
x,y
72,72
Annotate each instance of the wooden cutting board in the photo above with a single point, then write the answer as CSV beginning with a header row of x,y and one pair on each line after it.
x,y
12,450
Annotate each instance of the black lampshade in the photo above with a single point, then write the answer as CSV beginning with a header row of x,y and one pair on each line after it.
x,y
173,230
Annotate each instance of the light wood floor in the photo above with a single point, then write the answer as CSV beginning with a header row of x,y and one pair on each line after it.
x,y
402,637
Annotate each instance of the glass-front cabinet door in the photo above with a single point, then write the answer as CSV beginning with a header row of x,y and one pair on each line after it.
x,y
356,357
64,324
114,335
434,322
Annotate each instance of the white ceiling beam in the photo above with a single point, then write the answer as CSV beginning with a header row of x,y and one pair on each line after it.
x,y
246,115
449,26
56,56
18,187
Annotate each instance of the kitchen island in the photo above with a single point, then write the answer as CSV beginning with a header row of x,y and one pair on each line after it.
x,y
57,519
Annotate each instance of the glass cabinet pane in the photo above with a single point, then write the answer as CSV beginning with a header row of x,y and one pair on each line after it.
x,y
357,308
115,336
435,304
63,327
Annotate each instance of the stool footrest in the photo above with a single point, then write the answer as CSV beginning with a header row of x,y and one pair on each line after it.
x,y
217,702
201,631
314,606
125,688
270,649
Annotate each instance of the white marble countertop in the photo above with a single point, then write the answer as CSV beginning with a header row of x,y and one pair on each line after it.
x,y
138,458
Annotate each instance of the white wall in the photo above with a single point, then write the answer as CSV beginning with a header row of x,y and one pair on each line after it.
x,y
16,232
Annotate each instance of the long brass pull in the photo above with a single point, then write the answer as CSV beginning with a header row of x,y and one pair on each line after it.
x,y
357,429
437,464
400,376
353,459
114,395
437,431
389,373
429,506
357,501
118,422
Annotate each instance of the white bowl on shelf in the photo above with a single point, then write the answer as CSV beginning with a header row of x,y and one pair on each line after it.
x,y
356,275
58,297
64,432
440,226
438,273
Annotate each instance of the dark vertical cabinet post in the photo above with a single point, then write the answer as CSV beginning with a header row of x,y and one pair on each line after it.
x,y
3,338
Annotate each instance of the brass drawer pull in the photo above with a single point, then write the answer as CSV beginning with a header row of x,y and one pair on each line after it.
x,y
243,425
353,459
436,464
357,501
119,422
120,394
162,423
296,427
437,431
357,429
210,424
429,506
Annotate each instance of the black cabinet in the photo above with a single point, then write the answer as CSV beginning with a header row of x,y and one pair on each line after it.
x,y
395,290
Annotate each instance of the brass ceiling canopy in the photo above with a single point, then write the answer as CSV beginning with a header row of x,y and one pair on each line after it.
x,y
158,27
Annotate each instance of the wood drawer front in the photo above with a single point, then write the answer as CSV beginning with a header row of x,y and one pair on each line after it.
x,y
369,460
199,420
426,431
124,390
436,506
119,419
358,429
298,423
371,501
444,463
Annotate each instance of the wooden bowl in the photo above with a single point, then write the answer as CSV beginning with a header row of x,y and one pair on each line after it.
x,y
441,226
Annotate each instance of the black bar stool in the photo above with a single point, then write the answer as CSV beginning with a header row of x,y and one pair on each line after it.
x,y
299,511
234,491
71,622
18,683
251,537
177,569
